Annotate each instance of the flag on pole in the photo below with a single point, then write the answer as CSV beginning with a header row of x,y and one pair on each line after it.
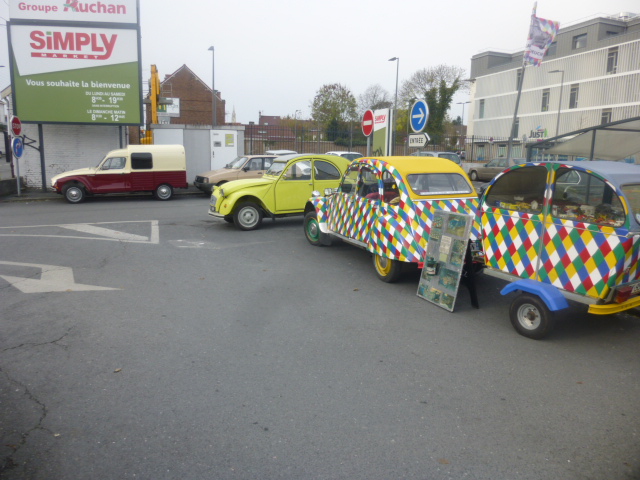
x,y
542,33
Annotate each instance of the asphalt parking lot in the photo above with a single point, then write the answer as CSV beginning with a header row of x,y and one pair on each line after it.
x,y
180,347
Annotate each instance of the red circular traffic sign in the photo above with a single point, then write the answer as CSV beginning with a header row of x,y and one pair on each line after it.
x,y
367,123
16,126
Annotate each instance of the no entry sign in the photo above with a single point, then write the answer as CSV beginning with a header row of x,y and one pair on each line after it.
x,y
16,126
367,123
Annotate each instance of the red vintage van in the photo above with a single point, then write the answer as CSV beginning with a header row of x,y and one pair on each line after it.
x,y
137,168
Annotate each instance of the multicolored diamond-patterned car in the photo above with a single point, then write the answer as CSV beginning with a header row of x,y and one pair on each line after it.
x,y
557,232
386,206
562,231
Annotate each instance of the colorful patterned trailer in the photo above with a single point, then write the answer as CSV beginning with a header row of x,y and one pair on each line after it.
x,y
385,205
563,231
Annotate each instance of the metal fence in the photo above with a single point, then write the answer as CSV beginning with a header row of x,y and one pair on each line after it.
x,y
259,138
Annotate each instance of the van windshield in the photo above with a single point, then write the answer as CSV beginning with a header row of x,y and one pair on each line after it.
x,y
101,161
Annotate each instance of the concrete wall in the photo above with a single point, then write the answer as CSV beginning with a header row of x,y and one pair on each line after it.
x,y
66,147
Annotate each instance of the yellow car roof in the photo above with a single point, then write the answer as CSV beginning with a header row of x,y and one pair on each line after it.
x,y
408,165
415,165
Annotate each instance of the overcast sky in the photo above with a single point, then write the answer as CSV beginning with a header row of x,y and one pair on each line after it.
x,y
273,56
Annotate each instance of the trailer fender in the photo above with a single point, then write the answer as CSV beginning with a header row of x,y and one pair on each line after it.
x,y
549,294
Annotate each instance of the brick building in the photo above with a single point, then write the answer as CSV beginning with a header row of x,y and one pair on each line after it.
x,y
192,102
195,99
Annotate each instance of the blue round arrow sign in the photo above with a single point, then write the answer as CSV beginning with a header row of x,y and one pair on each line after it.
x,y
418,116
17,146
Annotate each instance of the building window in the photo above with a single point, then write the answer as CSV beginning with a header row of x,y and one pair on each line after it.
x,y
580,41
606,116
481,113
573,96
545,100
612,60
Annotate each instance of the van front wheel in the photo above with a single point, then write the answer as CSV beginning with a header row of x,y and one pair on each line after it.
x,y
74,193
163,192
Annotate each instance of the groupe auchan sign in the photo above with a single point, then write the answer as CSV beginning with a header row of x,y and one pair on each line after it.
x,y
118,11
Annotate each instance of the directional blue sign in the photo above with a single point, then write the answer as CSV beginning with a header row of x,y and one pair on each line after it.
x,y
418,116
17,146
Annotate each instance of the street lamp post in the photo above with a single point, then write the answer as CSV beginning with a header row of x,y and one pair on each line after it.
x,y
560,99
251,124
213,85
395,105
295,129
463,104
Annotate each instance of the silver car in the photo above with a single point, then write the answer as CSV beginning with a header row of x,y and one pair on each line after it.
x,y
487,171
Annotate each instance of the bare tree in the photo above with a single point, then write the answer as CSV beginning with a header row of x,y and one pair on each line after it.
x,y
373,98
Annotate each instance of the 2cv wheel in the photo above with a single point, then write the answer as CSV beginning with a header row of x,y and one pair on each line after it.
x,y
74,193
313,233
247,216
531,317
387,270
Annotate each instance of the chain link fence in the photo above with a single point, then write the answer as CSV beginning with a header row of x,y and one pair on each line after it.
x,y
302,139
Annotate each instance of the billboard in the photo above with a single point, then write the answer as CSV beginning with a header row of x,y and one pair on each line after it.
x,y
382,121
66,68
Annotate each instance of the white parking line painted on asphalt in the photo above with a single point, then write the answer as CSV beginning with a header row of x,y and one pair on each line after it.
x,y
211,245
54,278
101,233
105,232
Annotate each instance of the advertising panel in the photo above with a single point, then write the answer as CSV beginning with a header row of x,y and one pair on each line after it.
x,y
382,121
77,73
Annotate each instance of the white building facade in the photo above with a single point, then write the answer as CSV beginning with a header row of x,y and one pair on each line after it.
x,y
590,76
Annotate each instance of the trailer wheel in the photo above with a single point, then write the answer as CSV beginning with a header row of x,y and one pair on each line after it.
x,y
531,317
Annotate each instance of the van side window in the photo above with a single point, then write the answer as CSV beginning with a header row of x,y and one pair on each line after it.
x,y
582,197
521,190
141,161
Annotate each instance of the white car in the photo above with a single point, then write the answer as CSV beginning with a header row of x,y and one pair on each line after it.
x,y
280,153
350,155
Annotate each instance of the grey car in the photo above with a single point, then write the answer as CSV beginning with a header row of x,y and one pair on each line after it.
x,y
487,171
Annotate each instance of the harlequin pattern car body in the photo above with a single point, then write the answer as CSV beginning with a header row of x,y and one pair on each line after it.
x,y
583,239
394,229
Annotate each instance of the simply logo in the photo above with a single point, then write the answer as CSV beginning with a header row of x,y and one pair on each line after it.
x,y
72,45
